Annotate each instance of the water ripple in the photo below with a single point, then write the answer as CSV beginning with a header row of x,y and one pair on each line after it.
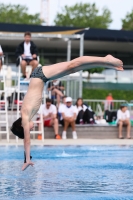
x,y
67,173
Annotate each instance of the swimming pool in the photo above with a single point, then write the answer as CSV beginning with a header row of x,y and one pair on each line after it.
x,y
70,172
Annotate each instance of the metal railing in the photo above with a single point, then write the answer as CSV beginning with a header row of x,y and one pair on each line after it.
x,y
71,85
104,104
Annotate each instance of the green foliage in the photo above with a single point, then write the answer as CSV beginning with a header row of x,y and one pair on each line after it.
x,y
17,14
95,70
42,60
127,23
1,85
84,15
101,94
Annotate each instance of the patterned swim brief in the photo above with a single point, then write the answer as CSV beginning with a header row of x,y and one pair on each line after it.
x,y
38,73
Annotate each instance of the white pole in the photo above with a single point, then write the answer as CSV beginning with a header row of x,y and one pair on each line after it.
x,y
81,54
68,59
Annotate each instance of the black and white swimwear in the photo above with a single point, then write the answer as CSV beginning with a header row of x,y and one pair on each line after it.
x,y
38,73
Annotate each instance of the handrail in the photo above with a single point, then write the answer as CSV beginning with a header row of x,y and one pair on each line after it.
x,y
103,103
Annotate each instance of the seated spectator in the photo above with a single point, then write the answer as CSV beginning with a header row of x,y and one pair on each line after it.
x,y
123,118
56,87
49,113
69,117
60,109
28,51
1,54
84,114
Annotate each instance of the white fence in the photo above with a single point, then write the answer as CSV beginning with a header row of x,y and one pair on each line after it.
x,y
105,104
71,85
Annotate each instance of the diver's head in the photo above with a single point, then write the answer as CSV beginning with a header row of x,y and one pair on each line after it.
x,y
17,128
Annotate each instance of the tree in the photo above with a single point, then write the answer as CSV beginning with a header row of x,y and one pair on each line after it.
x,y
17,14
83,15
95,70
127,23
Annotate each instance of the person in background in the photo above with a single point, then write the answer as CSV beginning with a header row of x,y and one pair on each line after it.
x,y
49,113
84,114
60,110
80,110
28,51
123,118
1,54
56,87
109,102
69,117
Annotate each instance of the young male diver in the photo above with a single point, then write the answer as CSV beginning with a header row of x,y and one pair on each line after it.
x,y
41,75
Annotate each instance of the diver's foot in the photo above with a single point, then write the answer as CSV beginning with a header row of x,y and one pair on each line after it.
x,y
118,64
25,165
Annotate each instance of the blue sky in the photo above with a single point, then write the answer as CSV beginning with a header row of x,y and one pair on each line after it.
x,y
118,8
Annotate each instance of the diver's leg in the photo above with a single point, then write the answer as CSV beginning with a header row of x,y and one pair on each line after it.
x,y
61,69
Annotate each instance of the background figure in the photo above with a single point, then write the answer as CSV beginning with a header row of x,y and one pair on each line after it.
x,y
57,88
109,102
1,54
60,110
123,118
69,117
80,109
28,51
49,113
84,114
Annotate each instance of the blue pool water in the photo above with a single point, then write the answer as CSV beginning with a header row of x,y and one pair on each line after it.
x,y
67,173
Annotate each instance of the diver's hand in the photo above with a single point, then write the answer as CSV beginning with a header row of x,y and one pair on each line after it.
x,y
25,165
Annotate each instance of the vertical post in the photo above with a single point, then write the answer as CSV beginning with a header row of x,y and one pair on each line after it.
x,y
42,126
68,59
6,62
18,93
81,53
116,76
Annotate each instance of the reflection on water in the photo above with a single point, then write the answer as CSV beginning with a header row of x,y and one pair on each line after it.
x,y
80,172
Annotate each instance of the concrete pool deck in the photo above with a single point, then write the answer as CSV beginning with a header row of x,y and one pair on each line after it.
x,y
51,142
87,135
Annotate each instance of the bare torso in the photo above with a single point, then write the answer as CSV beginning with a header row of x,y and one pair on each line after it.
x,y
33,98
